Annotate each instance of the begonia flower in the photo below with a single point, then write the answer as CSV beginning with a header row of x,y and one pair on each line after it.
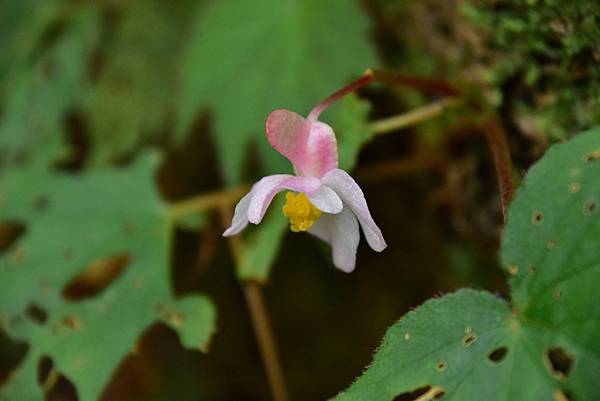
x,y
325,200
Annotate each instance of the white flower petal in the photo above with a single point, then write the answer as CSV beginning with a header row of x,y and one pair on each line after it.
x,y
269,186
341,231
326,200
240,216
353,197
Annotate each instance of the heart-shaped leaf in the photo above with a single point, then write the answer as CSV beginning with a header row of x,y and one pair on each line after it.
x,y
545,344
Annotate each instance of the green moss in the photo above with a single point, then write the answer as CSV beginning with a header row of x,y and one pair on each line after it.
x,y
547,52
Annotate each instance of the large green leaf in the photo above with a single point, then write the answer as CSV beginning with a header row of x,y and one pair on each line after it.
x,y
87,225
546,345
134,93
348,117
42,92
22,24
248,58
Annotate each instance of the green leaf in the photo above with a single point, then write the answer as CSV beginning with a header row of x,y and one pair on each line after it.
x,y
472,345
248,58
348,118
81,226
40,94
22,24
133,96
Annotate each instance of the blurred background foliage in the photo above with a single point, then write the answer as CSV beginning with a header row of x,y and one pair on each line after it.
x,y
86,86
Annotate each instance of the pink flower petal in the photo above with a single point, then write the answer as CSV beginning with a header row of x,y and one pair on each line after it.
x,y
326,200
341,231
353,197
265,190
240,216
309,144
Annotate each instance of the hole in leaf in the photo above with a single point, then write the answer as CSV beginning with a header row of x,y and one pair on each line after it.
x,y
498,354
426,393
439,395
562,395
537,218
590,207
12,355
441,366
78,139
59,388
412,395
559,362
95,278
469,339
44,368
9,234
36,313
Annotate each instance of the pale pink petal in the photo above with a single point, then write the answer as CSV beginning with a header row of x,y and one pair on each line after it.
x,y
353,197
240,216
287,132
310,145
326,200
341,231
265,190
321,150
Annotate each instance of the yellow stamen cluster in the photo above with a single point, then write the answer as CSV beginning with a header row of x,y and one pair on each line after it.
x,y
300,211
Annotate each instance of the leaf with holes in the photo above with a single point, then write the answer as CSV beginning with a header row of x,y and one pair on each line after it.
x,y
348,117
95,258
545,345
248,58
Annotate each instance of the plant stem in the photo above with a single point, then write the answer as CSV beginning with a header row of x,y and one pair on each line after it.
x,y
423,84
386,77
266,340
260,321
365,79
413,117
207,201
496,139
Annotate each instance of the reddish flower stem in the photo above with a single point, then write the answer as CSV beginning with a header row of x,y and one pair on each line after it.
x,y
386,77
365,79
424,84
498,144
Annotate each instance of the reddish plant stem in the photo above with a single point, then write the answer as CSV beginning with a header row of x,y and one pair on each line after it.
x,y
260,320
424,84
386,77
498,144
365,79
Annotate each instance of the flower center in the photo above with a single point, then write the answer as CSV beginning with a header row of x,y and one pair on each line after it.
x,y
300,211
